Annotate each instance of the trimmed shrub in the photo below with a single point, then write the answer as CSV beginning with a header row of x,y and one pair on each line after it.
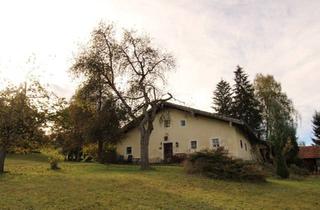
x,y
54,157
217,164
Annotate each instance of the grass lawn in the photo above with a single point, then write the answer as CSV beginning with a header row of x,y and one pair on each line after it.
x,y
30,185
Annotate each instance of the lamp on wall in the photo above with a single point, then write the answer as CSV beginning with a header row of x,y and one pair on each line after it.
x,y
177,144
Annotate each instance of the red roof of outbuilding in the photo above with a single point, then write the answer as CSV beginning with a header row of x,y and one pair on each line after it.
x,y
308,152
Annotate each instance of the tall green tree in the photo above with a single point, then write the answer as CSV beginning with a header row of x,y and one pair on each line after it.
x,y
245,105
90,117
70,128
134,70
107,114
23,117
279,121
105,127
222,99
316,128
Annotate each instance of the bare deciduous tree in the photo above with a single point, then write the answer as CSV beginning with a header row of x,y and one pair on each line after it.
x,y
134,70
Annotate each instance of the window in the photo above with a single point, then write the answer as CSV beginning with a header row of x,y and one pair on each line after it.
x,y
182,123
215,143
245,146
193,144
166,123
241,144
129,150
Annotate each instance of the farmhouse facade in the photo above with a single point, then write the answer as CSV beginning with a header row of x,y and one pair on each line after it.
x,y
180,130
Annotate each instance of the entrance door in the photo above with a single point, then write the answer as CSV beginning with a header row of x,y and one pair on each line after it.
x,y
167,152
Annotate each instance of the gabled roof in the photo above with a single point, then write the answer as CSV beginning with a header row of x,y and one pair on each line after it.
x,y
196,112
309,152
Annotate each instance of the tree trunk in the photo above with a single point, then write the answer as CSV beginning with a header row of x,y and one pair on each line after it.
x,y
100,151
144,149
2,159
78,156
281,165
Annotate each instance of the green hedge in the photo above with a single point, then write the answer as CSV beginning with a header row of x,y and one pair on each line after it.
x,y
217,164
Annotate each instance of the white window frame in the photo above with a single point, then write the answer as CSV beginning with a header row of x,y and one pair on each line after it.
x,y
211,142
126,152
190,144
185,123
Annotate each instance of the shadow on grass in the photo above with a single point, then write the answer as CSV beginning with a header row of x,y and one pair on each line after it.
x,y
36,157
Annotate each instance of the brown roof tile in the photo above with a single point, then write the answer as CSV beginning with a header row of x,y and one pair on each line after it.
x,y
309,152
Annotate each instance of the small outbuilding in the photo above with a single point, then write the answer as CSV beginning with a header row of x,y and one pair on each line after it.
x,y
311,157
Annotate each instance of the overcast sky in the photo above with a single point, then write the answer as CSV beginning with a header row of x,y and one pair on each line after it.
x,y
208,38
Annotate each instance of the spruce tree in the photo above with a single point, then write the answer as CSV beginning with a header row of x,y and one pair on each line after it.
x,y
222,98
245,105
316,128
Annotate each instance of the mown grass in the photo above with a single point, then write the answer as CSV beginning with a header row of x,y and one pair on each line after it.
x,y
30,185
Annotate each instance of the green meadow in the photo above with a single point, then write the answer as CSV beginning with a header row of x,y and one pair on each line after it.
x,y
30,185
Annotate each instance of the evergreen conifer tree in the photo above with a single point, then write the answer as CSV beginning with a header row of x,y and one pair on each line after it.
x,y
316,128
245,105
222,98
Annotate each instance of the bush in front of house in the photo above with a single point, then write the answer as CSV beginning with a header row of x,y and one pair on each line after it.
x,y
217,164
